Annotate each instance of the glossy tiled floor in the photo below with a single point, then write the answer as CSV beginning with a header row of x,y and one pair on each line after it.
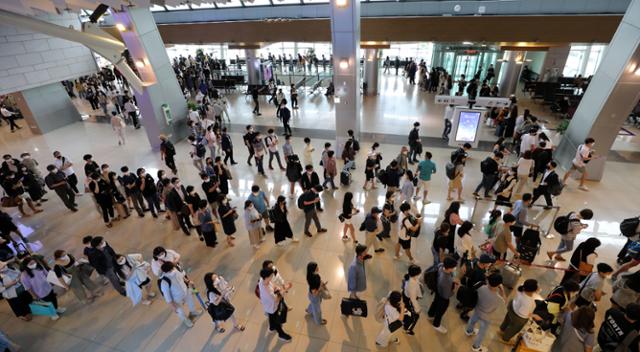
x,y
111,324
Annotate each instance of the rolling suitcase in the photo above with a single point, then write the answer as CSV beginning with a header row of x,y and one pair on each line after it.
x,y
510,275
355,307
345,178
527,253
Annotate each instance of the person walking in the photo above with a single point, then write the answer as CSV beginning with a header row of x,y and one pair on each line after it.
x,y
309,181
410,295
227,146
167,153
34,280
57,181
584,154
573,227
197,152
259,152
549,179
591,288
272,303
310,199
261,205
219,306
118,126
131,186
252,220
178,207
282,228
409,227
490,297
100,189
446,286
330,170
272,145
415,143
425,169
490,169
102,258
294,97
256,102
285,116
133,271
10,117
504,238
348,210
455,181
519,310
356,278
132,111
373,228
75,276
394,313
317,292
175,288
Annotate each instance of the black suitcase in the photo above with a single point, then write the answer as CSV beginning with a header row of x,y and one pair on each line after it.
x,y
529,245
527,253
355,307
345,178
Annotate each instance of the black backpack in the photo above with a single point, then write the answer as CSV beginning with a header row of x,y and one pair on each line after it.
x,y
562,224
301,201
431,278
629,227
450,170
485,165
355,145
382,176
200,149
166,279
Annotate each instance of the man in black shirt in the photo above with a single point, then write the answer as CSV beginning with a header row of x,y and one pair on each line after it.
x,y
541,157
489,168
147,186
227,147
132,189
254,96
549,179
210,186
474,277
310,179
414,143
90,166
619,330
57,181
311,199
102,257
285,116
248,141
167,152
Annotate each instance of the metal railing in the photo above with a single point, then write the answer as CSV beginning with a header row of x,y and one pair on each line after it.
x,y
555,210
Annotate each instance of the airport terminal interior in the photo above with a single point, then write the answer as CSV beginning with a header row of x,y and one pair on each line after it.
x,y
372,123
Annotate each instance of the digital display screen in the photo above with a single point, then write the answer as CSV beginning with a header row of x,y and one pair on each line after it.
x,y
467,126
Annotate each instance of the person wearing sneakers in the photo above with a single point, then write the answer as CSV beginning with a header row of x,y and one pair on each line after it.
x,y
357,277
311,198
519,311
174,286
425,169
409,224
34,280
373,228
584,154
271,299
393,312
574,227
444,290
410,294
133,271
490,297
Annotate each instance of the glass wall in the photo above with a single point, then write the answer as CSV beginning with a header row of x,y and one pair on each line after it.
x,y
417,51
583,60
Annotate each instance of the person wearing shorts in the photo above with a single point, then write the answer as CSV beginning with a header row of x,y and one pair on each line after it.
x,y
584,154
408,224
425,169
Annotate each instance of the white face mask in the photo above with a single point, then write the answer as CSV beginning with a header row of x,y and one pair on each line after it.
x,y
103,244
55,170
32,266
65,258
162,256
121,261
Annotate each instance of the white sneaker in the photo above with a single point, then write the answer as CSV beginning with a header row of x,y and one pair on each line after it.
x,y
479,349
280,244
473,333
583,188
188,323
441,329
396,341
55,317
61,310
146,302
396,257
294,240
550,236
152,294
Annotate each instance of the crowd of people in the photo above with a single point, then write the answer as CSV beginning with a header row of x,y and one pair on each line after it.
x,y
474,274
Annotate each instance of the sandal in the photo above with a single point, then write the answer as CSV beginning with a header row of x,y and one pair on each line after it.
x,y
240,327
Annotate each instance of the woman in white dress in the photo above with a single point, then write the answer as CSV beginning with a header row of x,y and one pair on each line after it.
x,y
133,270
393,312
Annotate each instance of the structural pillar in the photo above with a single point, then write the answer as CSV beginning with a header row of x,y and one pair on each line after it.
x,y
345,42
371,71
554,63
510,72
253,66
46,108
163,108
613,92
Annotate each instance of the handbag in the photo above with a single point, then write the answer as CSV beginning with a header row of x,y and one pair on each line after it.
x,y
221,311
52,278
584,268
324,292
43,308
395,325
341,218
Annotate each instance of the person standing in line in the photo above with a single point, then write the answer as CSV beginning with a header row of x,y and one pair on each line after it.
x,y
65,165
519,310
584,154
13,291
261,204
252,220
272,303
207,224
279,98
133,271
118,126
178,206
591,288
294,97
409,224
490,297
348,210
425,169
102,258
285,116
100,189
373,228
210,186
175,288
574,228
356,278
317,292
131,110
293,173
66,265
228,216
549,179
167,153
147,187
311,198
272,144
394,311
489,168
410,295
223,174
282,228
520,210
577,331
248,139
227,146
445,289
415,143
407,187
34,280
132,190
216,297
57,181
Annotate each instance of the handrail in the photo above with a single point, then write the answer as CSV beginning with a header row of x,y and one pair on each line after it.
x,y
546,233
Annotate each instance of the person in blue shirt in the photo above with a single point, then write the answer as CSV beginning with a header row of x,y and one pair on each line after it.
x,y
520,210
261,203
425,169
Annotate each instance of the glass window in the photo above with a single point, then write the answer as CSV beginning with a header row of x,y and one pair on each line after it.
x,y
285,2
597,51
179,7
256,3
203,6
155,8
573,67
230,3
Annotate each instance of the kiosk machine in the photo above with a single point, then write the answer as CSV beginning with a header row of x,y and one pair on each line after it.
x,y
466,116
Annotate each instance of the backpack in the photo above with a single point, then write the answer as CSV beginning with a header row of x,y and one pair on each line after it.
x,y
450,170
633,251
272,214
382,176
301,201
555,189
455,153
200,149
355,145
629,227
166,279
485,165
562,224
363,225
409,232
431,278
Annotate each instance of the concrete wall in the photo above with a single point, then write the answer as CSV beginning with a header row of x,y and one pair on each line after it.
x,y
29,59
47,108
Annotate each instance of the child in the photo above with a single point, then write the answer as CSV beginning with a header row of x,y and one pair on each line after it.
x,y
490,227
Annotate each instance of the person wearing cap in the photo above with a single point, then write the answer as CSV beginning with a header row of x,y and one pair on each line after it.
x,y
117,124
356,277
373,227
618,328
309,200
13,291
519,311
490,297
475,275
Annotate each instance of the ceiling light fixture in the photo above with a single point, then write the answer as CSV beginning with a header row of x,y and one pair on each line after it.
x,y
342,3
344,64
121,27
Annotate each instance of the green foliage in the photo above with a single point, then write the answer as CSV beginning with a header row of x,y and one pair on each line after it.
x,y
562,126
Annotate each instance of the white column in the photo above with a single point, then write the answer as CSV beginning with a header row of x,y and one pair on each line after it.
x,y
510,72
345,40
253,66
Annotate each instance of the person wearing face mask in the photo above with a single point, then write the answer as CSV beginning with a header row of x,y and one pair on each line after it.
x,y
179,208
100,189
220,307
505,189
32,164
161,256
259,152
403,158
278,281
57,181
167,153
9,163
584,154
549,179
75,276
65,165
252,220
519,311
102,257
147,186
176,290
209,167
591,287
278,215
227,146
223,174
133,270
210,186
34,280
15,191
228,216
192,198
248,141
260,204
272,144
131,188
207,224
119,200
14,292
32,185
